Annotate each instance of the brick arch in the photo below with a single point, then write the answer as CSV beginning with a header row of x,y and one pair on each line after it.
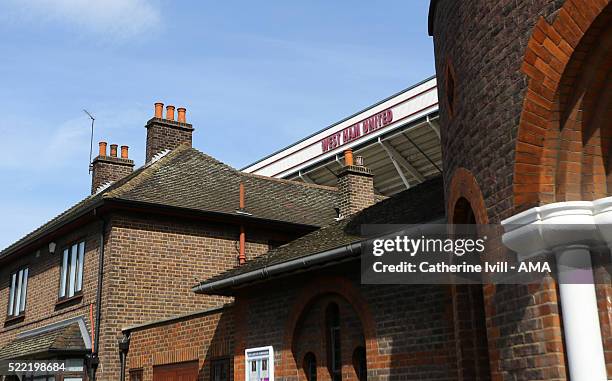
x,y
555,159
464,186
325,286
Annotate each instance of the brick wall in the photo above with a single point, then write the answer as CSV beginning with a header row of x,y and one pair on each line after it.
x,y
407,331
42,307
506,63
109,169
201,337
355,188
485,43
153,264
163,134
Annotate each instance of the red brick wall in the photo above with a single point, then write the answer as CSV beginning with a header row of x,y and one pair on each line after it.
x,y
163,134
356,189
202,337
511,79
153,264
408,330
109,169
43,285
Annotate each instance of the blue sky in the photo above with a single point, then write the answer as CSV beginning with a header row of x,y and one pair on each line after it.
x,y
254,76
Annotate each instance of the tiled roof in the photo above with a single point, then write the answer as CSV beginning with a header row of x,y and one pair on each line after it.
x,y
65,338
422,204
189,179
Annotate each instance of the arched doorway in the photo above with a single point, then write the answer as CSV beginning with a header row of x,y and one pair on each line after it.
x,y
327,340
469,313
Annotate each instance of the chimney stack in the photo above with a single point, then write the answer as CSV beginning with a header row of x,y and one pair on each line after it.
x,y
355,185
166,133
107,169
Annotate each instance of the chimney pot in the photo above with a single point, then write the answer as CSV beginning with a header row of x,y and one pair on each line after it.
x,y
113,150
159,109
181,114
348,157
102,149
359,161
124,152
170,112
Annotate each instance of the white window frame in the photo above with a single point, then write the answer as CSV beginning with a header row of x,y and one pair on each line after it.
x,y
72,267
269,357
18,291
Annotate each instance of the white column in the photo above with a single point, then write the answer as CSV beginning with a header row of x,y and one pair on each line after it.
x,y
566,229
580,314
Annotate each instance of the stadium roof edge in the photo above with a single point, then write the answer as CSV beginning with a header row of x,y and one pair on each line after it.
x,y
340,121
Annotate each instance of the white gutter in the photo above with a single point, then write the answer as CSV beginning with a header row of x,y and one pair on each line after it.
x,y
568,230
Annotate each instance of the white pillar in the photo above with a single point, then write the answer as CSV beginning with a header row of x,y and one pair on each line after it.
x,y
583,341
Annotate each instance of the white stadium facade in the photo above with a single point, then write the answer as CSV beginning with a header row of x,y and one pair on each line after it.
x,y
398,138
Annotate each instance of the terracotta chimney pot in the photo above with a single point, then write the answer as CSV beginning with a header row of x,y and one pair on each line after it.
x,y
113,150
124,152
348,157
159,109
181,114
102,149
170,112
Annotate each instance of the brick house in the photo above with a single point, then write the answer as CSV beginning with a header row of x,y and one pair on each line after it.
x,y
131,251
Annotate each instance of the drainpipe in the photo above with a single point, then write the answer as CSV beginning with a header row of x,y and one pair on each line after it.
x,y
242,254
95,361
124,347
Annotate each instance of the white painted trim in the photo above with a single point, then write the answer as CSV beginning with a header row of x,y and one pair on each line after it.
x,y
270,350
569,230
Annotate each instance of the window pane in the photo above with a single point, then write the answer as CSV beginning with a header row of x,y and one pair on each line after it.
x,y
24,290
79,281
72,273
63,275
18,293
12,293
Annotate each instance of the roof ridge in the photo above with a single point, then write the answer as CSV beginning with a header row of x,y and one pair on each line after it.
x,y
293,182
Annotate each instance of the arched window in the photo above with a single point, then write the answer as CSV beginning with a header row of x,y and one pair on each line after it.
x,y
334,353
310,366
359,363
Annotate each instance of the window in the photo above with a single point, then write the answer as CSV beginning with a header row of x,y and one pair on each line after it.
x,y
17,292
310,366
71,275
219,370
334,354
136,375
450,88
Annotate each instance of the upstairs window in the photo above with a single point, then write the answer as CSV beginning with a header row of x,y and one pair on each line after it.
x,y
71,274
17,292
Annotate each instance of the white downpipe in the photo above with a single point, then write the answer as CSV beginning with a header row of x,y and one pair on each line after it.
x,y
567,229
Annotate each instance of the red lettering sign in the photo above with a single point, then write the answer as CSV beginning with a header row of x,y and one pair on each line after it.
x,y
357,130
